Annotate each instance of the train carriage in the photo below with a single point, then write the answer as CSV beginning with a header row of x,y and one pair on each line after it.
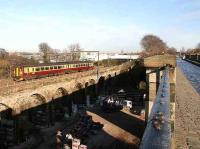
x,y
27,72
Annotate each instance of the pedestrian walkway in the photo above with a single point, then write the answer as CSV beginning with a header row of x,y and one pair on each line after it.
x,y
187,123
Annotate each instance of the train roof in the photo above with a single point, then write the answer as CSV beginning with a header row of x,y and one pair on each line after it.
x,y
58,63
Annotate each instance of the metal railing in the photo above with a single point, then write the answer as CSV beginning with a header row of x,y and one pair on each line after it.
x,y
157,134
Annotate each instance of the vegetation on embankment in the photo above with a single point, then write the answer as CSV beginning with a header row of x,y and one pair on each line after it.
x,y
9,61
110,62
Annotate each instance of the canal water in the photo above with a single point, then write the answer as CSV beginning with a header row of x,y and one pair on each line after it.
x,y
192,72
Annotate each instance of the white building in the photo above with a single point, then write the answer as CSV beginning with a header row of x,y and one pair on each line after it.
x,y
102,56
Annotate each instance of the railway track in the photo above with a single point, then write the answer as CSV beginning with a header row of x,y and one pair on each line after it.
x,y
9,86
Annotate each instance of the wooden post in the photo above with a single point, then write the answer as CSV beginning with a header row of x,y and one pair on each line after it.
x,y
152,80
172,81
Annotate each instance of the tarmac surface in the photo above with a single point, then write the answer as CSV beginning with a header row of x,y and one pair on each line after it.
x,y
187,115
192,73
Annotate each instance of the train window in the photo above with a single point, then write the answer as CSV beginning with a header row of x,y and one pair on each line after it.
x,y
46,68
42,68
55,67
33,69
59,67
37,69
51,67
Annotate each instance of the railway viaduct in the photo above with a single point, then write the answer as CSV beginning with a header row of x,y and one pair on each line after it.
x,y
33,97
85,87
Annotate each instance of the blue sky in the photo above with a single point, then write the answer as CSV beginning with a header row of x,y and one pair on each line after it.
x,y
97,24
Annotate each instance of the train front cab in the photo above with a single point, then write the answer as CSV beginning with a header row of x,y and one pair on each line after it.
x,y
18,74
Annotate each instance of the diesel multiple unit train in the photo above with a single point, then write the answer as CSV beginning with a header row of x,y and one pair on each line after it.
x,y
27,72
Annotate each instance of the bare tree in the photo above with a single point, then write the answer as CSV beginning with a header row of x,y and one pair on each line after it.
x,y
45,49
3,53
55,53
198,46
171,50
193,51
153,45
75,51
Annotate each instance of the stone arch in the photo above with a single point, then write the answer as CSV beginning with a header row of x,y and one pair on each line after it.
x,y
78,96
101,84
86,84
109,84
92,81
60,105
109,76
6,111
39,98
101,79
6,106
78,85
60,92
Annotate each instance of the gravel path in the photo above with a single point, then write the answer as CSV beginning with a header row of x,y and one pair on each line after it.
x,y
122,130
187,123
